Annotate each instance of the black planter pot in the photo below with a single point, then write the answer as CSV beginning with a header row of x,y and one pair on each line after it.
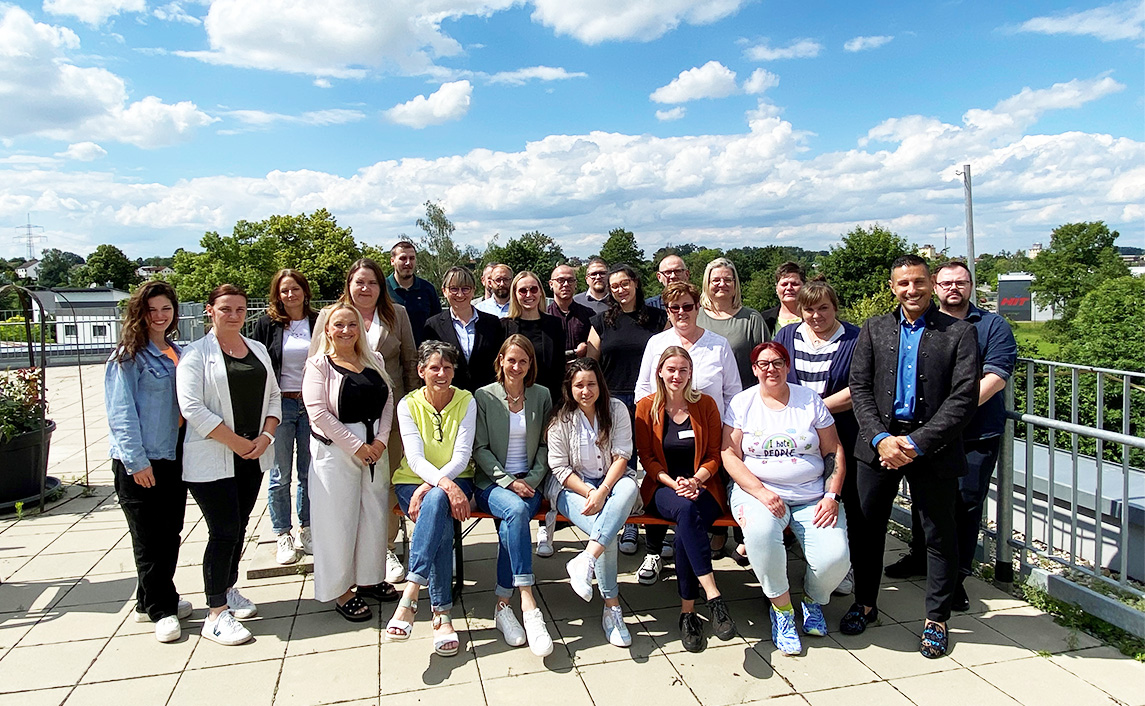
x,y
23,465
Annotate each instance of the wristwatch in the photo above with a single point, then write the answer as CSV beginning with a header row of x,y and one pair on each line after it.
x,y
833,496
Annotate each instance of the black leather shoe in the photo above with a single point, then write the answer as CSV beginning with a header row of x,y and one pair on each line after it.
x,y
855,621
692,632
908,567
722,624
960,602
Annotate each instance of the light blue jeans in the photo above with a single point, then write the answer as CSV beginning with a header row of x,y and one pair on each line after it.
x,y
515,552
431,545
603,526
828,558
293,433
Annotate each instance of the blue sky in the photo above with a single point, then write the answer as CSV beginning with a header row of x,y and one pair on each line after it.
x,y
723,122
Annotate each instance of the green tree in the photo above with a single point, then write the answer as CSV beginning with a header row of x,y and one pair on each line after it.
x,y
437,251
1080,258
55,267
621,248
860,266
532,251
988,267
106,264
1108,329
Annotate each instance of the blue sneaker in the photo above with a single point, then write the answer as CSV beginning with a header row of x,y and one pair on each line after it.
x,y
783,632
813,621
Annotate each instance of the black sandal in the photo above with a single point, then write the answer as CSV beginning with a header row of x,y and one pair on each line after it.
x,y
934,642
855,621
383,592
355,610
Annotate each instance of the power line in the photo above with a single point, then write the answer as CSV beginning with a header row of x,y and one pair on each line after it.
x,y
29,236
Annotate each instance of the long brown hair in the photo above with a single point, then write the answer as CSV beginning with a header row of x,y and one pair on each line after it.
x,y
385,305
276,310
133,334
568,406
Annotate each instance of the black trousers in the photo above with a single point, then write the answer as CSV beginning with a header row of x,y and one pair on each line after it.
x,y
973,488
226,504
934,498
155,520
692,518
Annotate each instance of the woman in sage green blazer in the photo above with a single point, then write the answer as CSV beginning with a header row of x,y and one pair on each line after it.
x,y
512,462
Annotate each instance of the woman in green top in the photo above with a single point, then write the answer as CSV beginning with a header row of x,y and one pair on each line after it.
x,y
512,461
434,484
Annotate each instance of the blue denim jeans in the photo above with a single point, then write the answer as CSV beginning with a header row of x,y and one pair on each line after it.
x,y
828,558
515,552
603,526
293,434
431,544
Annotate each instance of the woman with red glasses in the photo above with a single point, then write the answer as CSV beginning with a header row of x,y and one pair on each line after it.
x,y
545,331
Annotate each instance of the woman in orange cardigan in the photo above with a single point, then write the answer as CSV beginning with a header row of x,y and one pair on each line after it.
x,y
678,434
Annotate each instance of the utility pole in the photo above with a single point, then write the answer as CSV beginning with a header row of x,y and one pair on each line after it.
x,y
969,220
29,236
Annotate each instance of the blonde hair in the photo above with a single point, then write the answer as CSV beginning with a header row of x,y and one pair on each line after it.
x,y
515,309
364,356
737,298
691,394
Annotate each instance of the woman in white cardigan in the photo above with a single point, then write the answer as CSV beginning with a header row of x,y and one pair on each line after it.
x,y
350,403
231,402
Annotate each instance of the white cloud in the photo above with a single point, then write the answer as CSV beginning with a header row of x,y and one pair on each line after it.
x,y
83,152
712,80
174,12
865,43
541,73
799,49
261,118
596,21
759,81
45,94
450,102
1120,20
93,12
671,114
322,83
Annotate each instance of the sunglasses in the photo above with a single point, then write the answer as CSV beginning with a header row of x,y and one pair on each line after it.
x,y
677,308
528,290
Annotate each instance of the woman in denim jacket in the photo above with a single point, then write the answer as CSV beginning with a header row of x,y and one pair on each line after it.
x,y
139,384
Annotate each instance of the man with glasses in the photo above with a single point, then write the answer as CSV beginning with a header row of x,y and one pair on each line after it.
x,y
596,276
671,269
499,280
476,334
789,279
982,437
914,388
573,316
417,295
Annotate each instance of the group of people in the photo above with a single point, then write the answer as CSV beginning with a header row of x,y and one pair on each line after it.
x,y
604,406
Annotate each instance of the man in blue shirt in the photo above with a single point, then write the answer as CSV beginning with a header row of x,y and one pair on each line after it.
x,y
982,437
914,387
671,269
417,295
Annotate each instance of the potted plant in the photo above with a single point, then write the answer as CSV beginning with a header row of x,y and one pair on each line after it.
x,y
24,436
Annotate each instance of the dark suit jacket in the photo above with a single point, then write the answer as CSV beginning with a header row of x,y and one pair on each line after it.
x,y
549,348
269,332
947,388
478,370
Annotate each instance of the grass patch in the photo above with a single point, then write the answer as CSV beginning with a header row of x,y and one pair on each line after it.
x,y
1033,335
1075,618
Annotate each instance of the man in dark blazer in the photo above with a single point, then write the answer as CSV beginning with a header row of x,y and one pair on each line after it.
x,y
914,387
482,331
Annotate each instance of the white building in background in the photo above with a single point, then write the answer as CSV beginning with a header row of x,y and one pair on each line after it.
x,y
88,316
29,270
151,271
1034,251
928,251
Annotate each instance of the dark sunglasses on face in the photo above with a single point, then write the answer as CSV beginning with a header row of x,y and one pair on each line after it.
x,y
677,308
528,290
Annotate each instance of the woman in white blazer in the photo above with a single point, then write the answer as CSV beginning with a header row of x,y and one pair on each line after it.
x,y
230,399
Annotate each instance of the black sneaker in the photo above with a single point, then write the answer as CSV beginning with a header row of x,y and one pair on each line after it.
x,y
692,632
961,601
855,621
722,623
908,567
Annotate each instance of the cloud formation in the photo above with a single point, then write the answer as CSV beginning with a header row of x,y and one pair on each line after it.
x,y
596,21
1109,23
799,49
519,77
864,43
450,102
671,114
712,80
174,12
83,152
759,81
93,12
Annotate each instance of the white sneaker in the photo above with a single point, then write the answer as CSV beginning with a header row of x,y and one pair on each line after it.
x,y
395,572
649,571
285,553
847,585
614,628
540,642
168,629
581,569
628,540
225,630
183,611
241,606
305,543
507,623
544,542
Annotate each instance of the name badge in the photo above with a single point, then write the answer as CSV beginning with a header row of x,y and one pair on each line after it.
x,y
687,433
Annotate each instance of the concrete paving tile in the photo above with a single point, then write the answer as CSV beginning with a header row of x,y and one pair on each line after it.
x,y
901,602
142,690
322,632
411,666
32,596
876,694
23,667
936,689
496,659
985,597
1035,630
10,564
58,566
78,623
201,687
1036,681
538,689
663,626
345,675
1108,670
587,643
191,553
891,651
13,627
115,561
469,694
135,656
728,674
101,589
40,697
617,683
275,600
14,543
972,642
824,664
789,700
269,643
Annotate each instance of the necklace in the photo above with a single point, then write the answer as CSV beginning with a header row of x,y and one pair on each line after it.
x,y
513,400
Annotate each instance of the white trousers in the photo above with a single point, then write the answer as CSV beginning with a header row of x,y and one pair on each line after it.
x,y
348,518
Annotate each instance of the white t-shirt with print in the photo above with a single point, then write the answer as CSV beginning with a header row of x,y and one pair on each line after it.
x,y
781,447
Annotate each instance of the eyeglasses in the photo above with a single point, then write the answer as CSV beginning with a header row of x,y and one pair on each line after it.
x,y
960,283
596,275
563,280
621,284
438,430
776,364
459,290
525,291
677,308
674,273
500,279
722,280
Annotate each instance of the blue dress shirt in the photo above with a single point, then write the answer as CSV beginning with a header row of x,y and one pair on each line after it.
x,y
906,377
466,331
